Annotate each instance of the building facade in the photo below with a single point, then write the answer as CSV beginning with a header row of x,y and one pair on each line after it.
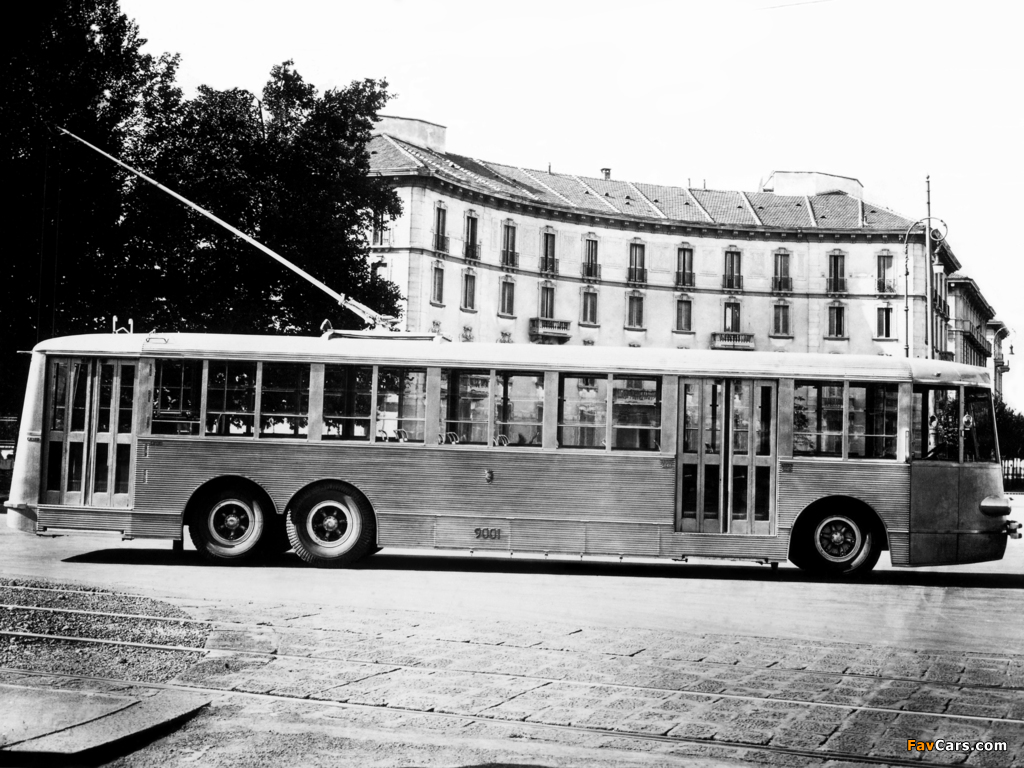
x,y
492,252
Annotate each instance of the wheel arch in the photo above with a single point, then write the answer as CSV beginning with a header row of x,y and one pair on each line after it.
x,y
216,484
849,504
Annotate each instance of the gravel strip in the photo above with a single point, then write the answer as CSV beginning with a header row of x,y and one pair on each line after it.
x,y
82,599
131,630
117,662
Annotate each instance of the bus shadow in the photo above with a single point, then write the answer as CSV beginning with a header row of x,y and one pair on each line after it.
x,y
386,562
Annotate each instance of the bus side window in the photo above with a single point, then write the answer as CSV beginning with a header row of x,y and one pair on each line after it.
x,y
284,400
873,410
231,398
979,426
936,422
401,404
636,414
177,389
464,407
519,409
348,392
582,411
818,418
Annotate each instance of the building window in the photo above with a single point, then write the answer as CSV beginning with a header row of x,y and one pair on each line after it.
x,y
732,317
886,275
780,320
634,311
637,272
547,302
472,246
589,314
469,291
684,267
781,281
837,272
590,266
509,255
380,235
437,285
884,329
508,298
440,229
684,315
733,277
837,321
548,263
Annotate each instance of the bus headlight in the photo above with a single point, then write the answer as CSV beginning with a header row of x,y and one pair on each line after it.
x,y
995,506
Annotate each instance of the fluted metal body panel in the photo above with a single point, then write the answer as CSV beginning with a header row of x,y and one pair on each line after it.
x,y
885,487
152,525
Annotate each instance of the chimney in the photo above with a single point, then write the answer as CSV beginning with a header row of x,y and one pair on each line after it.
x,y
607,173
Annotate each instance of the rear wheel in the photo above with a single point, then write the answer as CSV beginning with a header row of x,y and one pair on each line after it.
x,y
331,526
227,526
837,543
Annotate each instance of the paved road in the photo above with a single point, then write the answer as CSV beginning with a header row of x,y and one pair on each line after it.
x,y
965,608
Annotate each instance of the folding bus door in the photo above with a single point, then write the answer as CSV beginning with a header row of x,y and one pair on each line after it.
x,y
726,451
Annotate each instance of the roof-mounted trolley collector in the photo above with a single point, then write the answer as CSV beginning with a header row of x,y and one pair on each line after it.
x,y
341,444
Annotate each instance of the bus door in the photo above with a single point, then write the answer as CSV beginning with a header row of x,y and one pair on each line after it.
x,y
89,412
727,436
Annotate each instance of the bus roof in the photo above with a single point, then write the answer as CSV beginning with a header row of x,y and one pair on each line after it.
x,y
396,350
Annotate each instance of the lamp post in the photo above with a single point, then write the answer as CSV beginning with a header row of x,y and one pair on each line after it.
x,y
929,235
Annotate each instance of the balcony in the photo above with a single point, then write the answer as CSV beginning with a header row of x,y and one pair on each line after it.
x,y
836,285
732,340
684,279
782,284
590,270
1000,363
637,275
975,334
510,259
472,251
441,243
945,354
885,285
732,282
548,265
544,329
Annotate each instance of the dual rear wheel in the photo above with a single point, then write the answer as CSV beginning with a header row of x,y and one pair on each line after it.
x,y
329,525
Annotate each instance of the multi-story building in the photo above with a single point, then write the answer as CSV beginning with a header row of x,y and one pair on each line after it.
x,y
486,251
995,331
970,314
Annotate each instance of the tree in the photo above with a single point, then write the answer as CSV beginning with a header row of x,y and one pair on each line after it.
x,y
76,64
88,241
1010,429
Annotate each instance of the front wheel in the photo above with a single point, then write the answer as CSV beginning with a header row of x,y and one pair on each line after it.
x,y
331,526
838,543
227,526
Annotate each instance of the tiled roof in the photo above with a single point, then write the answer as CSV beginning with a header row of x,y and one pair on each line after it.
x,y
610,197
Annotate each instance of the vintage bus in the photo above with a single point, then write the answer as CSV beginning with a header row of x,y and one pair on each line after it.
x,y
340,445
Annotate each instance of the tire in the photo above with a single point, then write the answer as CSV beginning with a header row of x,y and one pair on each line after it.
x,y
331,526
838,544
228,526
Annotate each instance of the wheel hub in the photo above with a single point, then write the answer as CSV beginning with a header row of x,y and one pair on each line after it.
x,y
331,523
231,522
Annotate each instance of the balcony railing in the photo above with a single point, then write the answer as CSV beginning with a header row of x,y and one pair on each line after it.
x,y
836,285
637,275
684,279
547,329
886,285
590,270
732,340
732,282
975,333
510,259
441,242
548,265
472,251
782,283
945,354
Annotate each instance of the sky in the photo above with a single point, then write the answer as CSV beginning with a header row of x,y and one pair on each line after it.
x,y
702,93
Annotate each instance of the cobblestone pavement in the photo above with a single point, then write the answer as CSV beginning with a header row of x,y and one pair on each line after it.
x,y
748,699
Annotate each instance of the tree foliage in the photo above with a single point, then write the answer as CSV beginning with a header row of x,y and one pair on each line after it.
x,y
289,168
1010,429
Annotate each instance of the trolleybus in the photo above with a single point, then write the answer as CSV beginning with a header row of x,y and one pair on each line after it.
x,y
340,445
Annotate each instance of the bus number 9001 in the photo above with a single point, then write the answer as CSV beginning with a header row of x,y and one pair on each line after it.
x,y
487,533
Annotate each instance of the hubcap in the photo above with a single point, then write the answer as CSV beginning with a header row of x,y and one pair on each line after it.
x,y
333,524
230,522
838,538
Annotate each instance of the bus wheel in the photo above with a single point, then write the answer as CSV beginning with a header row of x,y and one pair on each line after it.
x,y
841,544
227,526
331,526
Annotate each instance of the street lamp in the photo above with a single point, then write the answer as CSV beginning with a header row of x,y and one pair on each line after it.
x,y
929,235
